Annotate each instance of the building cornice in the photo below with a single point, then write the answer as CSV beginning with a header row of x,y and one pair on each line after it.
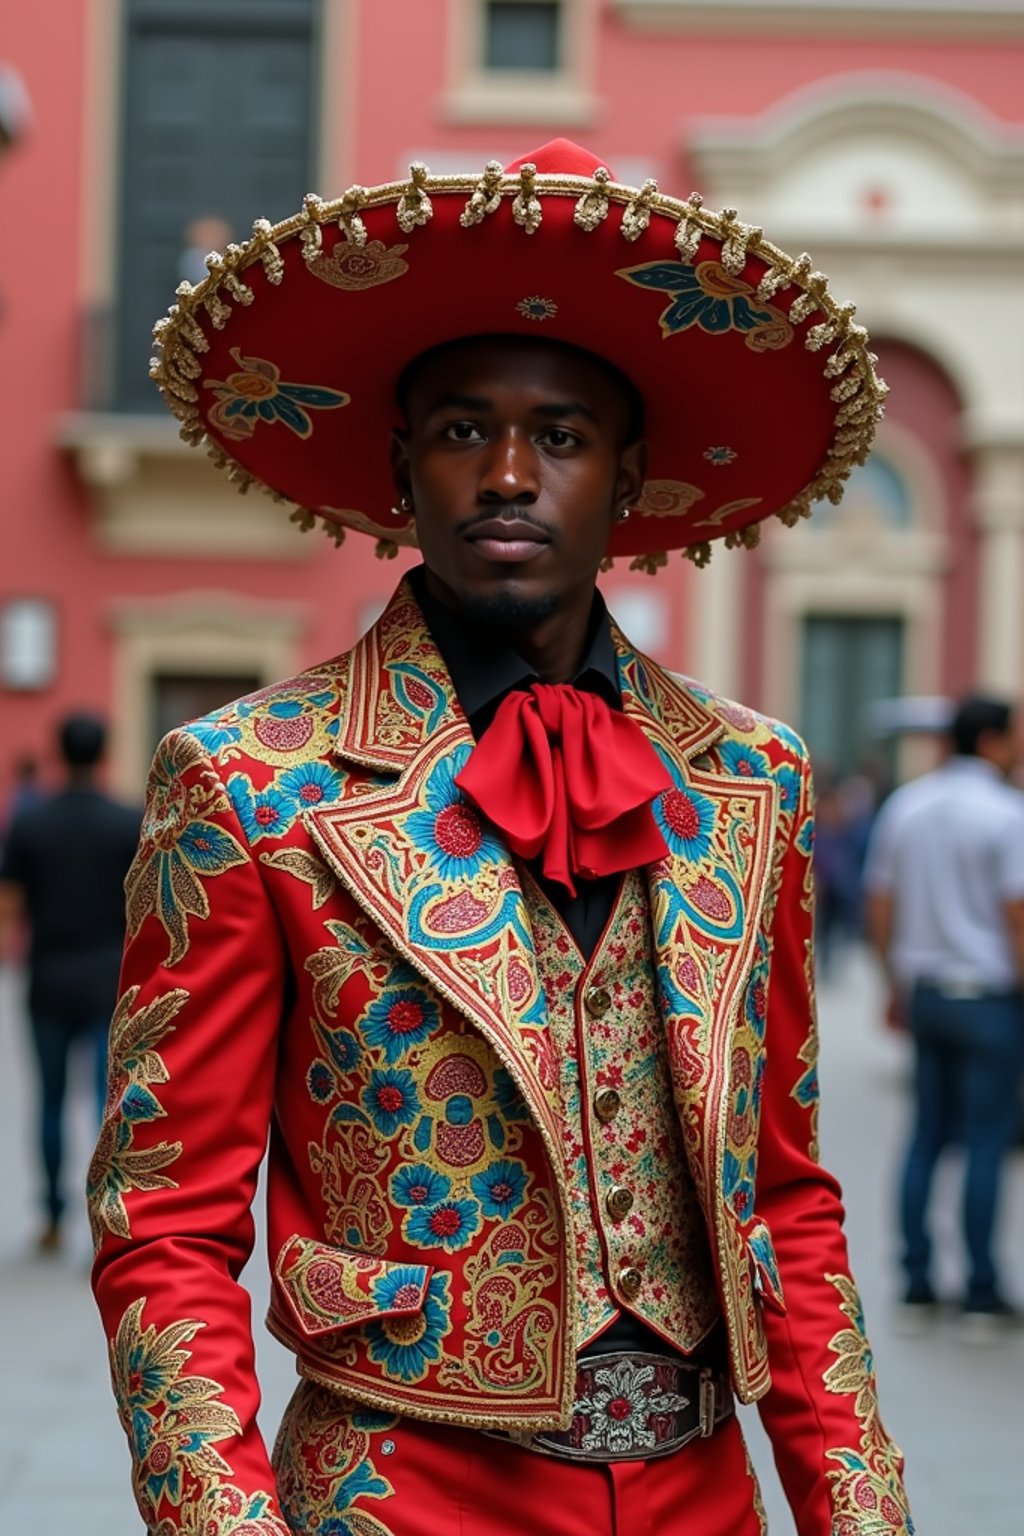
x,y
916,18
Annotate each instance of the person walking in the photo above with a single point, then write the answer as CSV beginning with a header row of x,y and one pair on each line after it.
x,y
945,912
489,920
62,872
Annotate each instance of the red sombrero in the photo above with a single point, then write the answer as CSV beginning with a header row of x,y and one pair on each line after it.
x,y
759,389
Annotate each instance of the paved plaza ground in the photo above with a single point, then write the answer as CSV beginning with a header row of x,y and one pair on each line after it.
x,y
958,1411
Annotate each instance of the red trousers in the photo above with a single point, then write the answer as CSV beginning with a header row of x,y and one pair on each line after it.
x,y
348,1471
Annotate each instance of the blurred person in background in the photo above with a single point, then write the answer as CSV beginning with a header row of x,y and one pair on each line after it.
x,y
26,792
62,874
944,885
836,876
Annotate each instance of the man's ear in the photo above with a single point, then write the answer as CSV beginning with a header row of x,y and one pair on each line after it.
x,y
400,468
629,483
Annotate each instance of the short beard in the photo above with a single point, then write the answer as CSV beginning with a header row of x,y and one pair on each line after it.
x,y
507,611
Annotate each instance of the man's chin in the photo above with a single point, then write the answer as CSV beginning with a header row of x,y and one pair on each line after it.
x,y
504,608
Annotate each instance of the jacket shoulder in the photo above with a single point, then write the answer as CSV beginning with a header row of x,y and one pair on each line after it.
x,y
295,717
744,728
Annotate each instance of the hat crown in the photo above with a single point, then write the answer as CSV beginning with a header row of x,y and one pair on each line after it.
x,y
558,157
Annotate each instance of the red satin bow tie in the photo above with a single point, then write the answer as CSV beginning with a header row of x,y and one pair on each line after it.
x,y
558,770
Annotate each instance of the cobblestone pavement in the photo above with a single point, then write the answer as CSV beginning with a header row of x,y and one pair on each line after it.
x,y
956,1410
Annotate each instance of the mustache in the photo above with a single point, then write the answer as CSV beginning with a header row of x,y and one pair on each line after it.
x,y
508,514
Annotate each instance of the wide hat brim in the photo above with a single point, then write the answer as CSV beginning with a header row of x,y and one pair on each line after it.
x,y
759,390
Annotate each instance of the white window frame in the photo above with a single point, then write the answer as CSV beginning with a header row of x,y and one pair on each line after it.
x,y
562,97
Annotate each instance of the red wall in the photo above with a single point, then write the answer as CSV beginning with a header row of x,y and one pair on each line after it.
x,y
651,87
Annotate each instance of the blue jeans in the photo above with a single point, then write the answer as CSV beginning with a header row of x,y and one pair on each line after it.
x,y
968,1060
53,1035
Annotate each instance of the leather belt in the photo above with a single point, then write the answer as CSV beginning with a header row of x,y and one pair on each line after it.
x,y
634,1407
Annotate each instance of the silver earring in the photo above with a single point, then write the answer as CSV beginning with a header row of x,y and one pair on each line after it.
x,y
622,515
404,507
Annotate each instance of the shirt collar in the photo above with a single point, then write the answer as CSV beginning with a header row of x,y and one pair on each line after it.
x,y
484,667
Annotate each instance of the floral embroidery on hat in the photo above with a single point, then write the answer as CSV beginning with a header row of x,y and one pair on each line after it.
x,y
666,498
706,296
537,308
255,393
720,455
355,267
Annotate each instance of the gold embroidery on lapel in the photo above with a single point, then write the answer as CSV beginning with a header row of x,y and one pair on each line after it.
x,y
427,870
708,900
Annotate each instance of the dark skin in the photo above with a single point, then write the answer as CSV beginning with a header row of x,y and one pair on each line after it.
x,y
517,462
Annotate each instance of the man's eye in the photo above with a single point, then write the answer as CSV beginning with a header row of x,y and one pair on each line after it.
x,y
463,432
560,437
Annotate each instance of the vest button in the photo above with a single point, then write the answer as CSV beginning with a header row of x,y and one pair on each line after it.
x,y
619,1202
597,1001
630,1281
606,1104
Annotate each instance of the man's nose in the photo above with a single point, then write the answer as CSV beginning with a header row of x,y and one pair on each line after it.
x,y
509,472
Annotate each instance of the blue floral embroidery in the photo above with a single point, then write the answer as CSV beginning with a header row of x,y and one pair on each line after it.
x,y
310,784
268,813
788,781
738,1185
399,1018
450,833
320,1082
214,735
418,1184
406,1346
391,1100
707,297
450,1225
255,393
745,762
685,816
500,1188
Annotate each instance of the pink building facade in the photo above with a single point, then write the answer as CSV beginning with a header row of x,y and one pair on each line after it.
x,y
888,140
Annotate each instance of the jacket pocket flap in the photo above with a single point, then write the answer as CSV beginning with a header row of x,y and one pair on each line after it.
x,y
328,1289
765,1266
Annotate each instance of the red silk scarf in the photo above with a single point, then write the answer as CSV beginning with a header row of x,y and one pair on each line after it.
x,y
564,776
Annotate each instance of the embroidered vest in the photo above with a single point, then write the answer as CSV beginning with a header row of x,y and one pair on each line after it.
x,y
641,1242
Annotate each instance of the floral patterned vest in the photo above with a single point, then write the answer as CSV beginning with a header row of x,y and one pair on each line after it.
x,y
641,1242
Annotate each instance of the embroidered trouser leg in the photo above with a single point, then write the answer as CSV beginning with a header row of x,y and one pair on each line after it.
x,y
398,1477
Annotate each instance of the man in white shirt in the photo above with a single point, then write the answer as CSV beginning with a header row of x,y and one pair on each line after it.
x,y
945,911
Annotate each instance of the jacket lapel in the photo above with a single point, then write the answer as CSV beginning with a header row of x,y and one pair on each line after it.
x,y
435,880
707,897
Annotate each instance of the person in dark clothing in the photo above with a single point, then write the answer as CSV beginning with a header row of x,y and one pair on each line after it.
x,y
62,872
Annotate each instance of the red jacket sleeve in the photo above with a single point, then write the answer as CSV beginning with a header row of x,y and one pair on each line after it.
x,y
193,1044
841,1472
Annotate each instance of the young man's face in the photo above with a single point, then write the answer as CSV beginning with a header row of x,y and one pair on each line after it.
x,y
517,462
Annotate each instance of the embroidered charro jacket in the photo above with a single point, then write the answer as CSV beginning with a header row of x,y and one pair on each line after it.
x,y
481,1147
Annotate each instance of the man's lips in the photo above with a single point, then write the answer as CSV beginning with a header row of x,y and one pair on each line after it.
x,y
507,540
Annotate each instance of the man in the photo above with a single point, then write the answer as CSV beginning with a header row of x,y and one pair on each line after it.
x,y
945,883
490,917
63,872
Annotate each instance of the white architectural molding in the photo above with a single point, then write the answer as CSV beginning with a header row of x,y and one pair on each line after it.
x,y
944,156
206,633
858,18
153,495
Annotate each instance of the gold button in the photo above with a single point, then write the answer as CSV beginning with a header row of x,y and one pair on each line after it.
x,y
619,1201
606,1104
630,1281
597,1001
